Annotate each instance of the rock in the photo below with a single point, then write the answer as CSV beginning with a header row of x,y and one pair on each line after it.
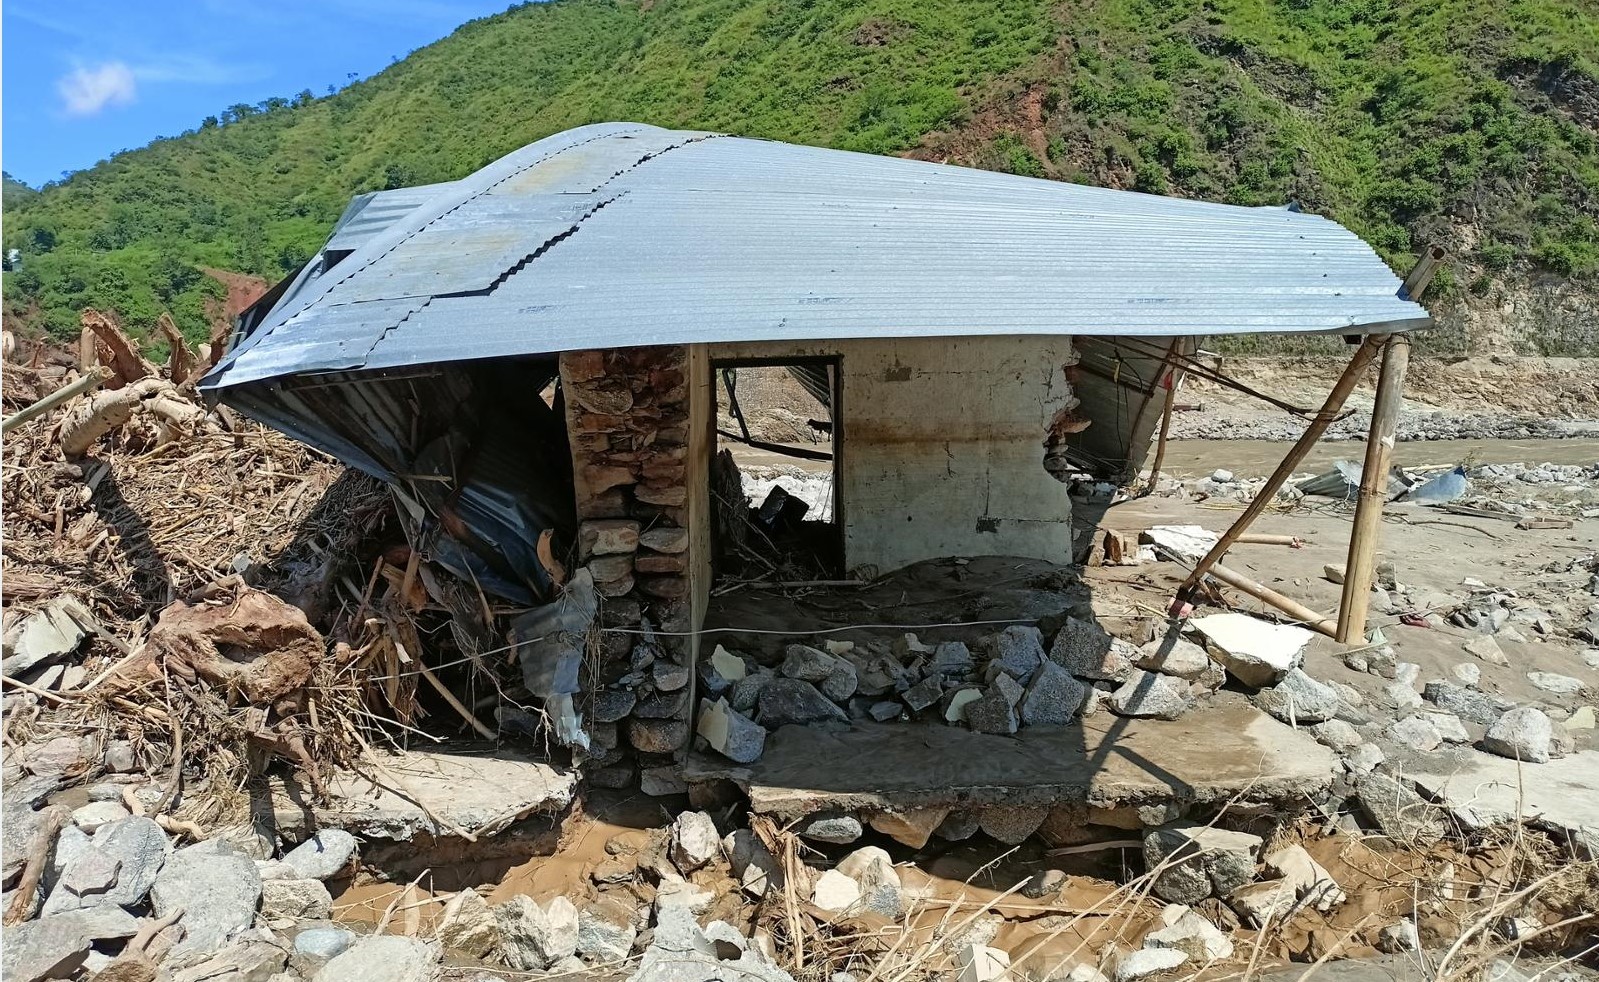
x,y
658,782
746,692
912,827
1012,825
1401,696
533,938
980,963
54,947
835,677
218,889
1087,650
1485,648
951,659
1448,726
835,892
1045,884
1466,674
668,676
1297,698
1018,650
46,635
731,733
1173,655
1333,572
605,931
677,894
721,671
1309,880
754,866
1255,652
294,900
876,673
1399,937
253,959
137,845
994,711
611,705
317,946
1200,861
383,958
92,873
784,701
1583,719
1146,962
1257,903
1184,930
1469,704
324,855
955,703
1053,697
874,875
1337,735
884,711
57,757
1399,811
959,825
1560,685
90,817
657,735
924,693
1146,694
1364,758
695,841
1520,734
1415,733
834,828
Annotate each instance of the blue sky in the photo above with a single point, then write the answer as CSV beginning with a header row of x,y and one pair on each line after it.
x,y
85,78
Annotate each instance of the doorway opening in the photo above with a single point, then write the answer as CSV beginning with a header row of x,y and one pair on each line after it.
x,y
775,496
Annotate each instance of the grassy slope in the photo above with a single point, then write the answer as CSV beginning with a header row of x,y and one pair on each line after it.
x,y
1409,120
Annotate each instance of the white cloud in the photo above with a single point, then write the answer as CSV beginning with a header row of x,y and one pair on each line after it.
x,y
85,90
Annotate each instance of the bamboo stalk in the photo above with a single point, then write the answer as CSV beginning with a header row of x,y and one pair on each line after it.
x,y
1293,608
87,383
1324,417
455,703
1373,491
1165,428
1267,539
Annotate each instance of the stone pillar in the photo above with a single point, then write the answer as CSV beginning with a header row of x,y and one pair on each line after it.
x,y
627,412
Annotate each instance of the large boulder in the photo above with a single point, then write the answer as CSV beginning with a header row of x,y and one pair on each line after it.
x,y
218,889
1198,861
327,852
384,958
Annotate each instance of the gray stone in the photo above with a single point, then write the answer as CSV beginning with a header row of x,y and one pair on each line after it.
x,y
1018,649
533,938
884,711
784,701
1466,674
1147,961
92,873
384,958
45,635
925,693
1469,704
54,947
1172,654
1485,648
57,757
959,825
1415,733
1053,697
92,816
657,736
695,841
993,712
1520,734
1045,884
877,673
1364,759
611,705
1449,727
248,960
1560,685
1401,696
1187,931
834,676
669,676
731,733
1146,694
746,692
322,944
1012,825
1297,699
1088,651
1398,811
1399,937
837,829
139,847
218,891
658,782
951,659
283,900
754,867
1199,861
1337,735
605,931
873,872
323,855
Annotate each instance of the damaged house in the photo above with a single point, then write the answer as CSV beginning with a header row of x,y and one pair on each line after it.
x,y
543,361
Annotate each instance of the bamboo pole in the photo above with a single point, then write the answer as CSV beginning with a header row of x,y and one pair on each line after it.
x,y
1165,428
1318,425
88,383
1293,608
1373,491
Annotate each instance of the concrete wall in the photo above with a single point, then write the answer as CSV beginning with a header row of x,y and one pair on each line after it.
x,y
943,445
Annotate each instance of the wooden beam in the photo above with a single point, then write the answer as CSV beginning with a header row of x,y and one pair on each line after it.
x,y
1293,608
1318,425
1165,428
93,380
1373,491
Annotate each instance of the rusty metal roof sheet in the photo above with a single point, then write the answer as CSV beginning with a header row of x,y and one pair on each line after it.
x,y
621,234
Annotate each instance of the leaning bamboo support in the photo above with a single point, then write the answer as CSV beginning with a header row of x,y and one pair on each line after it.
x,y
1373,491
1309,618
1318,425
1165,429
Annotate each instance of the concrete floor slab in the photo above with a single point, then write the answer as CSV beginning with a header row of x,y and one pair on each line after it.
x,y
1561,796
1211,754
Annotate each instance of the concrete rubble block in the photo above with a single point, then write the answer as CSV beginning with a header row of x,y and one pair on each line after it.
x,y
217,887
1469,704
1146,694
384,958
1337,734
907,648
1053,697
720,671
1414,733
753,865
911,827
1172,654
879,883
1521,734
951,659
1555,683
1012,825
925,693
137,845
835,892
605,931
1199,861
468,925
1584,718
92,816
1298,699
246,960
830,827
980,963
533,938
1146,962
1088,651
324,855
731,733
55,946
607,537
1485,649
658,782
1255,652
1190,932
785,701
1398,811
1018,650
286,900
1309,880
993,711
1066,825
694,842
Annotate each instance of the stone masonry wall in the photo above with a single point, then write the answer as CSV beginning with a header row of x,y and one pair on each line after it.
x,y
627,412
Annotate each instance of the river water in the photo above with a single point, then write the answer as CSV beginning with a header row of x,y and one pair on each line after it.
x,y
1247,457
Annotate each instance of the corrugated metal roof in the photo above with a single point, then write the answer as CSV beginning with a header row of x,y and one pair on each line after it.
x,y
621,234
368,214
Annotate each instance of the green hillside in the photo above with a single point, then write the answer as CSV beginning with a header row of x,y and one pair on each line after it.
x,y
1470,122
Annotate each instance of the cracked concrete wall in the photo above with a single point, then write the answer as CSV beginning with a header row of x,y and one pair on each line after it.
x,y
944,444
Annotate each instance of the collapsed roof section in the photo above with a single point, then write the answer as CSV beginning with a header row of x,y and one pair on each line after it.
x,y
621,234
